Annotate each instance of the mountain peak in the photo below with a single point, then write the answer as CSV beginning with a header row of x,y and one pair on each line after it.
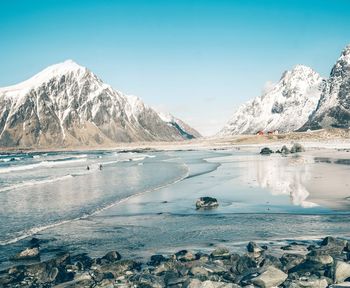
x,y
284,107
67,104
346,50
54,71
300,71
300,77
61,68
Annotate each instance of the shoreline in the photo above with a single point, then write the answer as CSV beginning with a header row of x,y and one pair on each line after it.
x,y
325,138
324,263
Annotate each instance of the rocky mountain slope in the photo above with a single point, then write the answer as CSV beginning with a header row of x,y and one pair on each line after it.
x,y
68,105
333,109
284,107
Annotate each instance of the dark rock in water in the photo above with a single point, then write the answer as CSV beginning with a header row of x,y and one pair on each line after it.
x,y
82,261
34,242
203,257
330,246
266,151
112,256
206,203
252,247
296,148
184,256
285,150
331,241
157,259
28,254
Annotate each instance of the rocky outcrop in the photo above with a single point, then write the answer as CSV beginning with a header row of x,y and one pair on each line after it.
x,y
333,109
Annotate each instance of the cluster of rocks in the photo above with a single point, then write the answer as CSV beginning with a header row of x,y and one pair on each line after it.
x,y
296,148
298,266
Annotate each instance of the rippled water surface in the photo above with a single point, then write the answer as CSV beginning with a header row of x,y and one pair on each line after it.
x,y
142,203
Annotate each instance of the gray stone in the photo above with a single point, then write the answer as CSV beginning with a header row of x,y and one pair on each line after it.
x,y
308,283
271,277
341,271
221,253
254,248
27,254
289,260
297,148
184,256
199,270
285,150
112,256
266,151
245,264
320,259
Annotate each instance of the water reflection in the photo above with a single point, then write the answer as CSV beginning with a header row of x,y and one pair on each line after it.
x,y
308,181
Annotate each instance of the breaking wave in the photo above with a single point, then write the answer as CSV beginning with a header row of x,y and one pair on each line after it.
x,y
35,182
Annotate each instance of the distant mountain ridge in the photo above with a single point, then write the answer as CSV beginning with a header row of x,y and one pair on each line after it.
x,y
284,107
301,100
333,109
67,105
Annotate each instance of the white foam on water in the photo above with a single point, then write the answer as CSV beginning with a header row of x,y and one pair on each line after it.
x,y
46,164
35,182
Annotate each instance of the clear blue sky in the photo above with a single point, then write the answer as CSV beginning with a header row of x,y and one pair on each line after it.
x,y
196,59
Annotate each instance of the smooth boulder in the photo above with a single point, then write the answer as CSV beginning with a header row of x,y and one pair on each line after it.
x,y
271,277
206,203
266,151
27,254
341,271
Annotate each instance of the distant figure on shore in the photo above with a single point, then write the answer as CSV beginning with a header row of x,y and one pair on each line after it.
x,y
100,167
87,167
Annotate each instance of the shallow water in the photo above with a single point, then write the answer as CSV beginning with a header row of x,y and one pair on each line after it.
x,y
143,203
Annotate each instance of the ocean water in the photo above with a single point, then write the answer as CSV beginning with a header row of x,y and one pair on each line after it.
x,y
143,203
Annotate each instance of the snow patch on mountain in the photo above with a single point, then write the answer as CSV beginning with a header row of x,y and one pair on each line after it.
x,y
333,109
68,105
284,106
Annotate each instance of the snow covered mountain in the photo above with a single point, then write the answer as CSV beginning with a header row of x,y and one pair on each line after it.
x,y
284,107
333,109
185,130
67,105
